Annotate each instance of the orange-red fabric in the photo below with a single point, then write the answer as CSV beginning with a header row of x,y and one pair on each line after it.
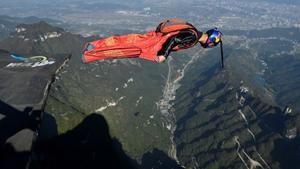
x,y
174,24
144,46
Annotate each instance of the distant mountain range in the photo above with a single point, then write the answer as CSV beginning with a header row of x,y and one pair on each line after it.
x,y
8,24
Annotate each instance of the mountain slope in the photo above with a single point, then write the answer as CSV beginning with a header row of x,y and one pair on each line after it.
x,y
187,108
125,92
235,118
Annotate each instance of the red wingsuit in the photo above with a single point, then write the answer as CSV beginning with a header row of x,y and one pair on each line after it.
x,y
144,46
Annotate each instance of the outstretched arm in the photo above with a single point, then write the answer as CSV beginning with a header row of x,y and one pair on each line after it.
x,y
166,50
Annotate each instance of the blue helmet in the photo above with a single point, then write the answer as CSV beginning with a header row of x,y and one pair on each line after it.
x,y
214,38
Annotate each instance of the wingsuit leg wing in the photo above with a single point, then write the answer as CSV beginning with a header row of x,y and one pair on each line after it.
x,y
144,46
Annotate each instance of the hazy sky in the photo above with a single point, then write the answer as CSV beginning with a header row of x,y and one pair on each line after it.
x,y
244,14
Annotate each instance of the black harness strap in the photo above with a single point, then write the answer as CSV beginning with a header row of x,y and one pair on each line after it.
x,y
222,55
